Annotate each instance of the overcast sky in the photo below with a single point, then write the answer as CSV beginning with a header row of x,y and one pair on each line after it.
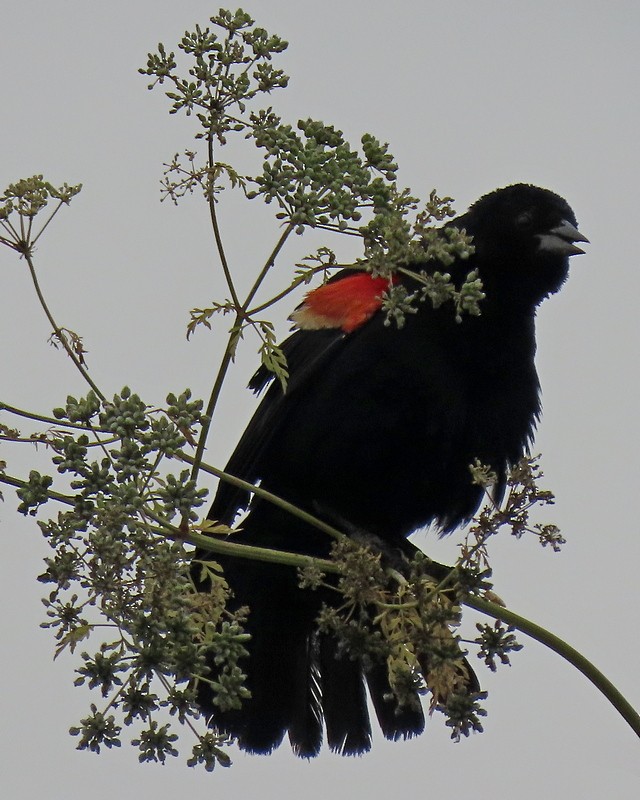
x,y
471,96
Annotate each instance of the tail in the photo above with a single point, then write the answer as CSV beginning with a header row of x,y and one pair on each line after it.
x,y
300,685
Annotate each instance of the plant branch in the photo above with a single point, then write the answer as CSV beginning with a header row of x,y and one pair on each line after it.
x,y
292,286
44,227
14,241
267,266
50,420
227,358
20,484
216,544
211,200
265,495
57,330
570,654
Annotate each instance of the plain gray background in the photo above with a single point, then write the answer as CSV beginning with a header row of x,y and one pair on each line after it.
x,y
471,96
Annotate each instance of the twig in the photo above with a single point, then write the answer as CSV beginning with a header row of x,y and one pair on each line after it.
x,y
50,420
58,331
265,495
570,654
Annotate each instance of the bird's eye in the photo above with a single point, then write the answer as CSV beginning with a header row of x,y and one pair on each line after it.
x,y
524,220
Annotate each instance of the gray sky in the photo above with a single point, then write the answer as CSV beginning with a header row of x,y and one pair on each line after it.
x,y
471,96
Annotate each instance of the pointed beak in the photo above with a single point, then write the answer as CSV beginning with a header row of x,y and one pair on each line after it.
x,y
560,240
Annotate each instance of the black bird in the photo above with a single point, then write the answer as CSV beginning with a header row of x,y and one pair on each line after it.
x,y
376,431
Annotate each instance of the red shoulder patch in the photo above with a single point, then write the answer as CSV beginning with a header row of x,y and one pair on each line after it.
x,y
346,303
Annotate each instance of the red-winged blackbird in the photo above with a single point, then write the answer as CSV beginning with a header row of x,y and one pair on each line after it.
x,y
375,433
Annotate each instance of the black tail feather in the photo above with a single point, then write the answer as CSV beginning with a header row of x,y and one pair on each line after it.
x,y
262,721
305,727
344,701
396,722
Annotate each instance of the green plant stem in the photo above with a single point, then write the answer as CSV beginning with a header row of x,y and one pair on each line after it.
x,y
570,654
211,200
267,266
217,544
272,498
57,330
294,285
20,484
14,237
214,544
44,227
49,420
227,358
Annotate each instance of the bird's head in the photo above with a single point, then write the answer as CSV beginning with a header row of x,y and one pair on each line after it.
x,y
523,237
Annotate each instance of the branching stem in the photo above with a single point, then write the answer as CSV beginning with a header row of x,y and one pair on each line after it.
x,y
272,498
211,200
50,420
570,654
20,484
267,266
57,330
241,310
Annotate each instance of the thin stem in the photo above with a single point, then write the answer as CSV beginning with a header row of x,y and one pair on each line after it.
x,y
276,298
150,475
58,332
29,227
20,484
296,282
7,225
220,82
216,227
51,420
10,243
41,438
44,227
216,544
335,229
228,353
265,495
21,439
227,358
570,654
267,266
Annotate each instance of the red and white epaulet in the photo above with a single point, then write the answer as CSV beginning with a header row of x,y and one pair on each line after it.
x,y
346,303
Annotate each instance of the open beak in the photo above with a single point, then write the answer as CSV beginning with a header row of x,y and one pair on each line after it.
x,y
561,240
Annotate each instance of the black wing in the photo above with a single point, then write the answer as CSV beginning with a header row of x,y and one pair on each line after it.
x,y
306,352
